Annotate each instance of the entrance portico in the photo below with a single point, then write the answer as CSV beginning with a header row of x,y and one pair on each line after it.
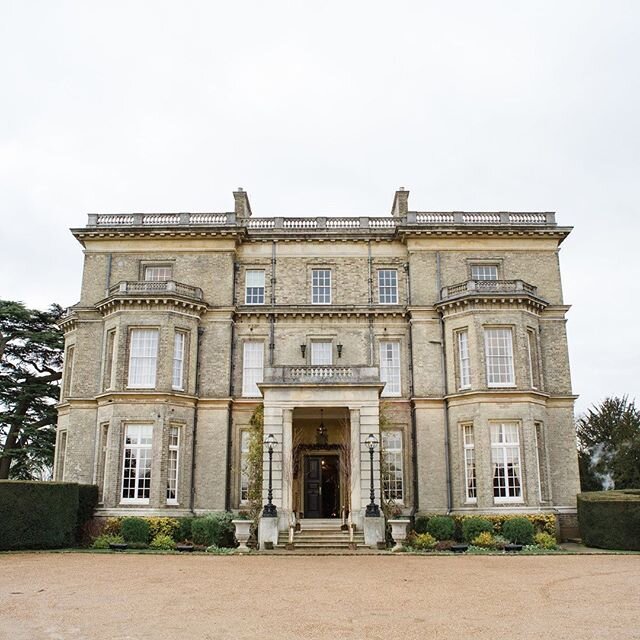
x,y
296,401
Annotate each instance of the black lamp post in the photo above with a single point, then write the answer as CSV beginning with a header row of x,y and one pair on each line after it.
x,y
373,510
269,510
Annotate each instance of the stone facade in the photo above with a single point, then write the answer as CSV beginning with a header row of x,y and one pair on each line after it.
x,y
465,308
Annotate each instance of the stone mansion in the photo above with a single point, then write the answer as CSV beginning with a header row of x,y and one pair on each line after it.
x,y
440,333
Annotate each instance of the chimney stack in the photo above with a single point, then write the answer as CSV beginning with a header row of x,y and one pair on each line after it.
x,y
242,206
400,206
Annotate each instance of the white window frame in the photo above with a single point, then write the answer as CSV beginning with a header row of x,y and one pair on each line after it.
x,y
254,289
482,271
393,454
157,272
498,351
68,370
143,357
464,359
252,368
143,452
388,286
390,368
505,451
245,443
173,463
177,369
321,286
321,353
470,471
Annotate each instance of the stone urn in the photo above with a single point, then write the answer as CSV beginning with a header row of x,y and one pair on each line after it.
x,y
399,532
243,530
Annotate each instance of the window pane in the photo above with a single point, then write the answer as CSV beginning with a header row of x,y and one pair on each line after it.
x,y
178,359
464,361
390,368
143,357
252,371
392,476
469,463
321,286
321,353
136,468
172,464
158,273
244,466
505,460
484,272
388,286
254,287
499,357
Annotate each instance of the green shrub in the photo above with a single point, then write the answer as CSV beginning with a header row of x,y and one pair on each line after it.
x,y
544,540
163,541
610,519
183,532
518,531
37,515
420,525
135,530
441,527
214,529
474,526
103,541
424,542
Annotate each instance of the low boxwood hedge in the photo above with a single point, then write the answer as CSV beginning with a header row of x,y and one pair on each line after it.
x,y
610,519
42,515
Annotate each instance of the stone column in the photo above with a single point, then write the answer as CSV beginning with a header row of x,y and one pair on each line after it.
x,y
287,463
355,443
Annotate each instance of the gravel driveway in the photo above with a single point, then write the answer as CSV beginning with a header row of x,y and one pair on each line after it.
x,y
69,596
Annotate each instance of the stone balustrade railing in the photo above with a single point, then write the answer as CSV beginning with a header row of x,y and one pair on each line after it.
x,y
413,218
487,286
321,374
153,287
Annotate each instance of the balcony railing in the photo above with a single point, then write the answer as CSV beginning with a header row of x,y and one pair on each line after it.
x,y
155,288
322,375
333,223
487,287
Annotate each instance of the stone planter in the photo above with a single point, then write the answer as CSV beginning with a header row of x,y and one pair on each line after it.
x,y
512,548
399,532
243,530
118,546
184,548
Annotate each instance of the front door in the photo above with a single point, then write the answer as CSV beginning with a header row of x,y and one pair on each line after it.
x,y
321,486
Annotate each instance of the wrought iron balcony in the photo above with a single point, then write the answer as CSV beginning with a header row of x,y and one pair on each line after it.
x,y
151,288
322,374
488,287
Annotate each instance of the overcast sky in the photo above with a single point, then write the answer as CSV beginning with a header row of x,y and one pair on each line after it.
x,y
327,108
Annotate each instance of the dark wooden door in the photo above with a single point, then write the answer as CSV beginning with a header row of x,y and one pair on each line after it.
x,y
313,487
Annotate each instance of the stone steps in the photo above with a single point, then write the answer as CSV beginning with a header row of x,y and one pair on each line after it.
x,y
320,534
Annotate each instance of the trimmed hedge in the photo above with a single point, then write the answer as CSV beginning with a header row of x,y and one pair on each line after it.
x,y
610,519
542,522
136,530
214,529
441,527
42,515
518,531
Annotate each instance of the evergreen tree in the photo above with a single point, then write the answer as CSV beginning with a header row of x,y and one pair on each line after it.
x,y
30,371
609,445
